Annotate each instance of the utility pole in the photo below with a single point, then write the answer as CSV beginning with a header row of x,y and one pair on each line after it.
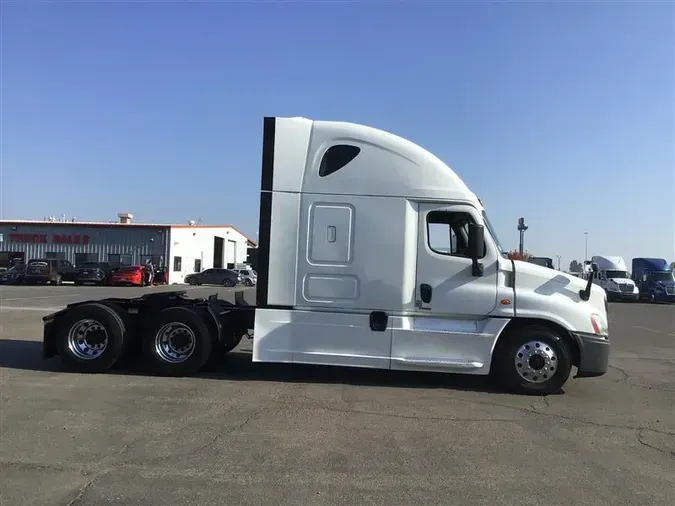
x,y
586,247
522,228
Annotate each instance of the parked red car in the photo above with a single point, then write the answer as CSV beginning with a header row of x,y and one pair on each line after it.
x,y
129,275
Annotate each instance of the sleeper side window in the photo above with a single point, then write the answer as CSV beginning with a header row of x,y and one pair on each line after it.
x,y
336,157
448,232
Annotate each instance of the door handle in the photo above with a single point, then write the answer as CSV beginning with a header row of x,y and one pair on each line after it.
x,y
425,293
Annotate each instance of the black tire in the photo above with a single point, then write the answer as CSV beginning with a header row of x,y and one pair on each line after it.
x,y
227,282
248,282
547,374
192,282
194,327
110,321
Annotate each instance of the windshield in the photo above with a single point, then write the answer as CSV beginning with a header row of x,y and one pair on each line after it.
x,y
661,276
492,233
616,274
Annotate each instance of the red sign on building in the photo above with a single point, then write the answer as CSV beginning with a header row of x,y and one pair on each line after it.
x,y
43,238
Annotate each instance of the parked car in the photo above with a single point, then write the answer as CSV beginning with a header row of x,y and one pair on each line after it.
x,y
13,275
126,275
97,273
48,270
224,277
249,276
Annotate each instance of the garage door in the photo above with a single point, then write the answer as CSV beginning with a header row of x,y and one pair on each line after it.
x,y
231,253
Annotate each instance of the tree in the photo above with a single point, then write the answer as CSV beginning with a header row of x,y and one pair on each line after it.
x,y
516,255
575,266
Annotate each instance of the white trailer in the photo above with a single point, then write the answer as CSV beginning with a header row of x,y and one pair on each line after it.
x,y
611,273
372,253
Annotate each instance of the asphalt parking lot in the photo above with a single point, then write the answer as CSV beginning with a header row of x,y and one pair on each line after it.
x,y
264,434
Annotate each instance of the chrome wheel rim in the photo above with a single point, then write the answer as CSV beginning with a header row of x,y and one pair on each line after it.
x,y
87,339
536,361
175,342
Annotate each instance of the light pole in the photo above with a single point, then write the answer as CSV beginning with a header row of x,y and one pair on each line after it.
x,y
521,229
586,247
558,257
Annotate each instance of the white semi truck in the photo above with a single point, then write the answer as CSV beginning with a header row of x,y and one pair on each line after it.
x,y
611,273
372,253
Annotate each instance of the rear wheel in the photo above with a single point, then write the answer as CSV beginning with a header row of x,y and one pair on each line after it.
x,y
228,282
178,342
532,359
248,282
91,338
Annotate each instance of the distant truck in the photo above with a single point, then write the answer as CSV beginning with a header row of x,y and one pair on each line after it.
x,y
543,261
610,272
654,279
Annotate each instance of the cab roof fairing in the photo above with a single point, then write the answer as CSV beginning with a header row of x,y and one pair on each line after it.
x,y
386,166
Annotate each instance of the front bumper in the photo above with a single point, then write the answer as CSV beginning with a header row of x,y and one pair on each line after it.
x,y
662,296
36,278
593,355
89,279
614,296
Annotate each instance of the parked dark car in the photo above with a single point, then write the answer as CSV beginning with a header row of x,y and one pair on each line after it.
x,y
223,277
48,270
13,275
97,273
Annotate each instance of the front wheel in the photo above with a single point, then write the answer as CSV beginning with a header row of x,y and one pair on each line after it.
x,y
227,282
532,359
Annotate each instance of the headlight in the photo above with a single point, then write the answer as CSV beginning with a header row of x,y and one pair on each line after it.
x,y
599,325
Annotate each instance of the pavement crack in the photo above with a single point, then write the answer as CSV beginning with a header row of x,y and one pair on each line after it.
x,y
83,490
665,451
623,372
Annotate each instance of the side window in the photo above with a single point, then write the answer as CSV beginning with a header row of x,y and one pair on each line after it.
x,y
448,232
177,264
337,157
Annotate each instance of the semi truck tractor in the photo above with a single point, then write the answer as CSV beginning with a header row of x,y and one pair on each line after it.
x,y
654,279
372,253
610,272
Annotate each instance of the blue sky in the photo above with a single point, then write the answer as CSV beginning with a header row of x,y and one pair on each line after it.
x,y
561,113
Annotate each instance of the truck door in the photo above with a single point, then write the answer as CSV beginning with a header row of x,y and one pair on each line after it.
x,y
442,265
449,330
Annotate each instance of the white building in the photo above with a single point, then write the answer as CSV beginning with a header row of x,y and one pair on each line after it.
x,y
193,248
183,249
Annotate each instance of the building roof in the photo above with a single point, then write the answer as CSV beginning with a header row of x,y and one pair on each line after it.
x,y
116,224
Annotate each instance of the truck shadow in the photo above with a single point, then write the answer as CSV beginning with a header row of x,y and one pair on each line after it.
x,y
237,366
